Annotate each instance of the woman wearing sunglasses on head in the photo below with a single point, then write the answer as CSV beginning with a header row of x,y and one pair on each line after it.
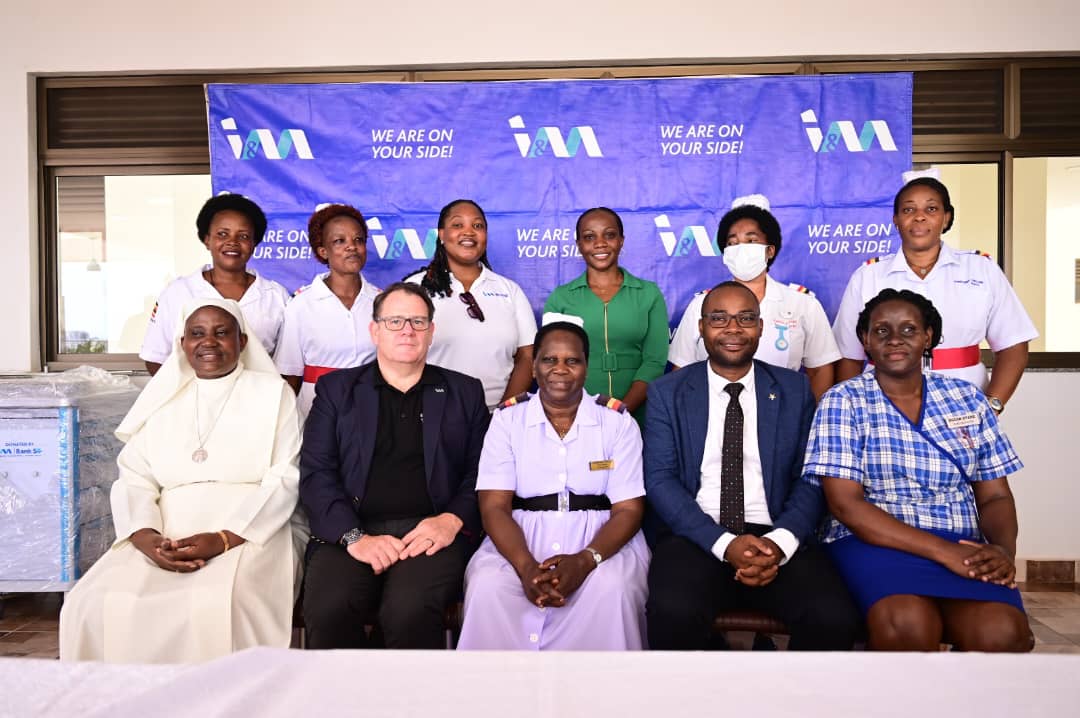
x,y
486,325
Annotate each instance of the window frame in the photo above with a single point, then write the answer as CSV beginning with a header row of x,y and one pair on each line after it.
x,y
53,358
1001,148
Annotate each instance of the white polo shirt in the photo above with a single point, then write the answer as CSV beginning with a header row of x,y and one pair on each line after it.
x,y
263,305
968,288
319,331
796,332
755,502
484,350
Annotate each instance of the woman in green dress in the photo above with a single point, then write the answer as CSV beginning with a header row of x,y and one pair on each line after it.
x,y
625,317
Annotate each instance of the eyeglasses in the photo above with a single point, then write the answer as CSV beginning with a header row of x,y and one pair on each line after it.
x,y
719,320
396,324
472,308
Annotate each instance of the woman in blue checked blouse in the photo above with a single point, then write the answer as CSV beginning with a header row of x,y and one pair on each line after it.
x,y
913,466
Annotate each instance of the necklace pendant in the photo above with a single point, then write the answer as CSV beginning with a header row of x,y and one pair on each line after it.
x,y
199,455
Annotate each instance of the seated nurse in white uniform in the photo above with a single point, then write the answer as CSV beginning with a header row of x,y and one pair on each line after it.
x,y
796,332
205,561
326,323
230,226
486,324
973,295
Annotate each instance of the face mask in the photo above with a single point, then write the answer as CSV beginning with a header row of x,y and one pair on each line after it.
x,y
746,261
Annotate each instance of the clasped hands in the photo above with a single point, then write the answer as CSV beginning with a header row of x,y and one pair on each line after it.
x,y
550,582
756,559
182,555
985,562
381,551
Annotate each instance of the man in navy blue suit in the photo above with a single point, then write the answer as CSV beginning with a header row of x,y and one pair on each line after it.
x,y
388,480
730,521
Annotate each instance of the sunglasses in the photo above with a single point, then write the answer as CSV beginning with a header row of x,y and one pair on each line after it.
x,y
471,307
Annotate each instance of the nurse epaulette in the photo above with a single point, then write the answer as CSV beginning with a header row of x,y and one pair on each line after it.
x,y
514,400
611,403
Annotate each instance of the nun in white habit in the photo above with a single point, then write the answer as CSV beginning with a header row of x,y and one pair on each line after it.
x,y
205,561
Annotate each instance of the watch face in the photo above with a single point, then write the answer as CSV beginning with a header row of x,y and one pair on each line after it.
x,y
995,403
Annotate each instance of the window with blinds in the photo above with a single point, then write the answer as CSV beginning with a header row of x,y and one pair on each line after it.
x,y
93,131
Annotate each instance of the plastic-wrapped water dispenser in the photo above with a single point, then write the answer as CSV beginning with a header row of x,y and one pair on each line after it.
x,y
57,465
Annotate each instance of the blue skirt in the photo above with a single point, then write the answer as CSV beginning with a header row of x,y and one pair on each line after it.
x,y
873,573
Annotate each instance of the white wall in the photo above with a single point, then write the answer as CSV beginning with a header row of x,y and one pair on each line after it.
x,y
1041,420
125,36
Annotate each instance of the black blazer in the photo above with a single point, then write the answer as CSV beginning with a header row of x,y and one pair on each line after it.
x,y
339,440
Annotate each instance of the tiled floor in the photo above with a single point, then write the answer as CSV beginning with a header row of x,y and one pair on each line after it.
x,y
28,624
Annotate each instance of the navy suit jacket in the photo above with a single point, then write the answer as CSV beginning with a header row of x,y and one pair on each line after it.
x,y
675,427
339,441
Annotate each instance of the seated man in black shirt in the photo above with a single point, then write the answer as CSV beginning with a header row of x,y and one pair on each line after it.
x,y
388,478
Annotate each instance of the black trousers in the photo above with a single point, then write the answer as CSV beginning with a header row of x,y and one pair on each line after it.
x,y
407,601
688,587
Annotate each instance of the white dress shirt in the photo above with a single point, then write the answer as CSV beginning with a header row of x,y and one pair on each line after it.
x,y
756,504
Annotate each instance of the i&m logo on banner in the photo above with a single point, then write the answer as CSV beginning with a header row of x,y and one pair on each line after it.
x,y
669,155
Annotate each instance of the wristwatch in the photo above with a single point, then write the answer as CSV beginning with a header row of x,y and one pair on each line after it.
x,y
595,554
350,537
995,404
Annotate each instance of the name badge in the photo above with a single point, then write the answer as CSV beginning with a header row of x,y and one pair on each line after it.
x,y
602,465
961,420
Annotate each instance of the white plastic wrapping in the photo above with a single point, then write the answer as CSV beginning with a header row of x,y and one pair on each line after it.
x,y
57,464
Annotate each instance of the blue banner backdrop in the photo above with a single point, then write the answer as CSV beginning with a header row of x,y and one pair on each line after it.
x,y
668,155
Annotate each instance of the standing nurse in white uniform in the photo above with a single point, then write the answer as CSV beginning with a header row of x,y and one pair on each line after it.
x,y
973,295
796,331
486,324
326,323
231,226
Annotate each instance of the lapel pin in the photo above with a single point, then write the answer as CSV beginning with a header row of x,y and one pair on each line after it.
x,y
772,397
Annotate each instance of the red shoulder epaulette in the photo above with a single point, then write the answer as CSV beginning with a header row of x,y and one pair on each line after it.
x,y
514,400
611,403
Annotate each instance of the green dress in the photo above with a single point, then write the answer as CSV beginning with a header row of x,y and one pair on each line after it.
x,y
628,336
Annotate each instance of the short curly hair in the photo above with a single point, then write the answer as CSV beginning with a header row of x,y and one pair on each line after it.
x,y
321,217
765,220
930,315
231,202
935,185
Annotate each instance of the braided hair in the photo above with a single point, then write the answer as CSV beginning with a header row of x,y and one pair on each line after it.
x,y
436,279
930,316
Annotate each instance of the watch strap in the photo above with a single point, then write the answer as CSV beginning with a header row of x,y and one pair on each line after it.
x,y
350,537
